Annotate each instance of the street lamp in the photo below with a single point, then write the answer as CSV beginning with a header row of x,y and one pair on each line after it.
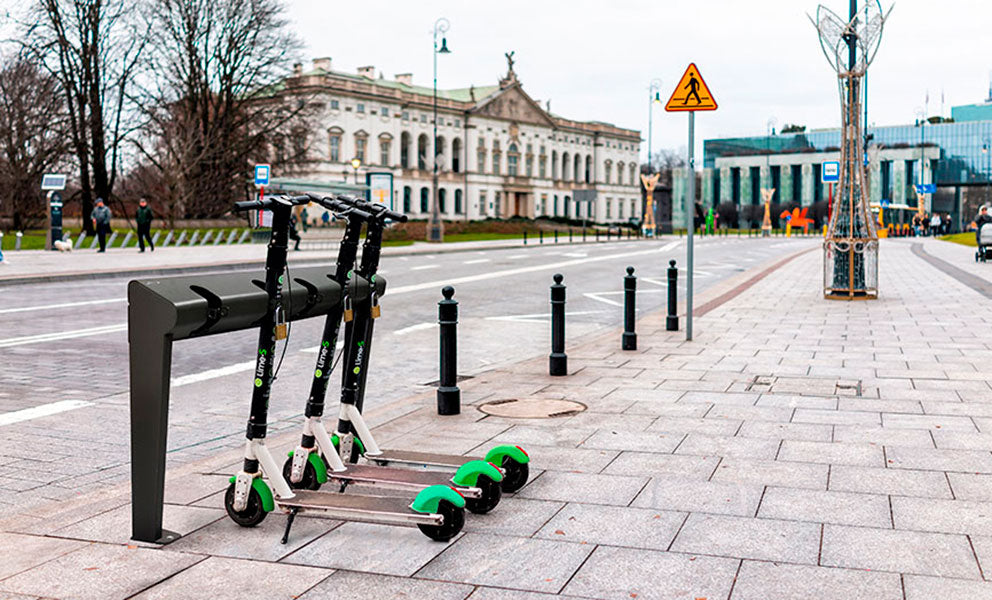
x,y
435,229
987,151
355,164
654,97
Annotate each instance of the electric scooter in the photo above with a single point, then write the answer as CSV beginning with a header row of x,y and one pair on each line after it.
x,y
477,481
353,436
437,510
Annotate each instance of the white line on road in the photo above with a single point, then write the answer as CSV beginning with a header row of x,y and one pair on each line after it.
x,y
315,349
44,410
541,317
476,261
63,305
212,373
594,296
62,335
424,267
412,328
516,256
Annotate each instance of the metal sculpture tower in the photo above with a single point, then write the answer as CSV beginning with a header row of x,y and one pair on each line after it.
x,y
850,251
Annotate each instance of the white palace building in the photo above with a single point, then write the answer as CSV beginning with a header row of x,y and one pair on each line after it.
x,y
500,153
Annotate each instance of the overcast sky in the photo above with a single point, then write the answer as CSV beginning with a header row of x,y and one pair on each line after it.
x,y
595,59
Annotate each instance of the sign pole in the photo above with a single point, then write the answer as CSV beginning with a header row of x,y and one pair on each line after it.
x,y
690,201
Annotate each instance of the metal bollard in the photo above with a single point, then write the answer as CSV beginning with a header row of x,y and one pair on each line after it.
x,y
569,235
110,242
449,397
540,233
79,240
597,235
556,236
17,242
629,339
583,234
525,238
558,361
244,236
127,239
609,230
672,322
168,238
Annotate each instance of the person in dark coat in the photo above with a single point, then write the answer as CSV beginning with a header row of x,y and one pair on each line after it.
x,y
101,222
144,220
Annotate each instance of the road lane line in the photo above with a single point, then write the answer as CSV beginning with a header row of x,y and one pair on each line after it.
x,y
541,317
412,328
63,305
476,261
45,410
62,335
424,267
213,373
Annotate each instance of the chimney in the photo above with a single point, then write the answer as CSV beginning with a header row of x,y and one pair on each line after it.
x,y
297,69
323,63
368,71
405,78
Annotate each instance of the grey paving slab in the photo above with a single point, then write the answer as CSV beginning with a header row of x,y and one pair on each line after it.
x,y
23,552
622,422
846,508
927,588
667,409
225,538
983,551
695,425
347,584
947,516
231,578
787,431
614,526
491,593
634,441
937,459
402,551
772,472
769,580
971,486
745,399
509,562
775,414
836,417
913,438
748,537
898,551
962,440
944,422
584,487
898,482
622,574
514,516
690,495
114,526
837,453
815,402
99,572
641,463
545,436
727,446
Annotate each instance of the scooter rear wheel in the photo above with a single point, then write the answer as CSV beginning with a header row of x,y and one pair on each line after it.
x,y
491,495
515,474
309,480
252,515
454,519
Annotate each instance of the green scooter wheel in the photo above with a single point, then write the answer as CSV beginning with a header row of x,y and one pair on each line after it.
x,y
491,495
252,515
515,474
307,482
454,519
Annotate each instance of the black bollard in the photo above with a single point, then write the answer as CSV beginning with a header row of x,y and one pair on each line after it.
x,y
449,397
540,233
597,235
569,235
583,234
558,363
629,340
525,238
672,322
556,236
608,231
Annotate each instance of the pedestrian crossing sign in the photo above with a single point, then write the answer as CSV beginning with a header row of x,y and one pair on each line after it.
x,y
691,93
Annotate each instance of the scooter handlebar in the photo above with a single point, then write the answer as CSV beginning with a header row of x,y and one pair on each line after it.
x,y
376,208
270,202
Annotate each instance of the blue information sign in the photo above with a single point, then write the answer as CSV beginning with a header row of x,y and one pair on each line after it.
x,y
830,173
926,188
261,175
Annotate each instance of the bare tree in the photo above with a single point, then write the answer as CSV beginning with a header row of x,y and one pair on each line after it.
x,y
92,48
215,99
33,129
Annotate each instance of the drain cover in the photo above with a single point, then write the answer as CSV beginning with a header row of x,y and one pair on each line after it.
x,y
537,408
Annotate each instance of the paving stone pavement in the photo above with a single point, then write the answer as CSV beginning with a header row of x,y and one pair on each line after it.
x,y
798,448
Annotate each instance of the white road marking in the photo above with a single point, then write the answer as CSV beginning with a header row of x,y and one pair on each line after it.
x,y
575,254
412,328
516,256
424,267
594,296
540,317
599,296
63,305
213,373
653,280
315,349
62,335
44,410
476,261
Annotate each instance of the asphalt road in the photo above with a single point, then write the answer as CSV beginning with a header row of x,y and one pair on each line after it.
x,y
63,346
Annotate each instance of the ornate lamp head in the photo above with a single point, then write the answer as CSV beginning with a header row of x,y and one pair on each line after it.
x,y
866,28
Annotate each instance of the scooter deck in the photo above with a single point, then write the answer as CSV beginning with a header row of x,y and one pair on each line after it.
x,y
398,478
353,507
421,459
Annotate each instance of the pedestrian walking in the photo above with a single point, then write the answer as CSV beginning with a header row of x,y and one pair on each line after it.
x,y
2,261
935,224
144,220
982,218
305,216
325,218
947,224
293,234
101,222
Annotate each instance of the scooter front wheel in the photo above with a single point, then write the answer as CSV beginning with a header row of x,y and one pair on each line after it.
x,y
252,515
491,495
454,519
309,480
515,474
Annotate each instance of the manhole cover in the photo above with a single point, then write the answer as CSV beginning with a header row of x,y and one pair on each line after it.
x,y
537,408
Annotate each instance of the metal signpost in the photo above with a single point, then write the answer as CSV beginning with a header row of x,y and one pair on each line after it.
x,y
53,183
690,95
380,188
262,173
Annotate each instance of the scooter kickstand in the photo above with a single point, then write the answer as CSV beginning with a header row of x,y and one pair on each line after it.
x,y
289,524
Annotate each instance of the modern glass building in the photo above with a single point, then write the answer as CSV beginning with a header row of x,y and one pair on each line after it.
x,y
955,154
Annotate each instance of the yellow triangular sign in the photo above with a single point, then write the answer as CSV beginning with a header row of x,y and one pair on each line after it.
x,y
691,93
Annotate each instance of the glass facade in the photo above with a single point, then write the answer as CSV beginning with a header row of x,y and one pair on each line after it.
x,y
962,158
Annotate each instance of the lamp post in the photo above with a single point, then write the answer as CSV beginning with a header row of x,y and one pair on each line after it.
x,y
435,229
987,151
653,98
355,164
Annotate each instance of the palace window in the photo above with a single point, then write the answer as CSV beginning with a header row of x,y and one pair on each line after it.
x,y
334,142
512,157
